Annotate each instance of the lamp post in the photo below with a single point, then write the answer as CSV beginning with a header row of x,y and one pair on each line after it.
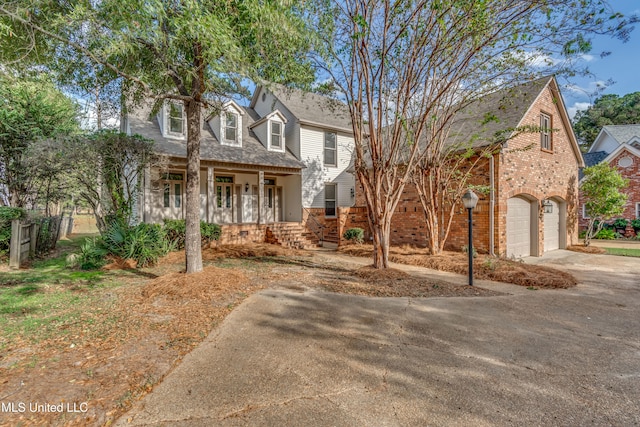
x,y
470,200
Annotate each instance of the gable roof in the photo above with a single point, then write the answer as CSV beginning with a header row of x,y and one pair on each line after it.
x,y
310,108
492,118
252,151
495,117
622,133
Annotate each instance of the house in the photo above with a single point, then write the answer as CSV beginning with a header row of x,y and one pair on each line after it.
x,y
532,176
277,168
618,145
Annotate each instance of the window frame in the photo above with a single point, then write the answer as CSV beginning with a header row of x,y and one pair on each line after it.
x,y
172,199
334,200
546,133
334,149
584,212
637,210
224,127
170,118
281,146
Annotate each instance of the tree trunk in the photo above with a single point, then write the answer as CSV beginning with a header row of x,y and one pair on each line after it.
x,y
192,243
381,230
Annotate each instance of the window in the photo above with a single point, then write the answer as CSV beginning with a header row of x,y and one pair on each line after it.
x,y
172,189
584,212
330,153
276,135
330,191
638,210
176,119
177,198
167,195
546,143
231,128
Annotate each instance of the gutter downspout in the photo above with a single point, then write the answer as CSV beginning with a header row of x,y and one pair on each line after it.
x,y
492,204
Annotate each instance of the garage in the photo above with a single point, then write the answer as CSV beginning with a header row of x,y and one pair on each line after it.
x,y
552,226
518,227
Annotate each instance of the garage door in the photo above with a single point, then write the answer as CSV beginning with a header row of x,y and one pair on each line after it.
x,y
552,228
518,227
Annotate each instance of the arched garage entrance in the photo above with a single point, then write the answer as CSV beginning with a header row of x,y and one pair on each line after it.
x,y
522,225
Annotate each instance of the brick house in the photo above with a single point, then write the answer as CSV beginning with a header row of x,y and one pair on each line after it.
x,y
533,177
618,145
276,169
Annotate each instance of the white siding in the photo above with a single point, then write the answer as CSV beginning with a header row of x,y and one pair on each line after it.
x,y
269,105
261,132
316,175
214,124
605,143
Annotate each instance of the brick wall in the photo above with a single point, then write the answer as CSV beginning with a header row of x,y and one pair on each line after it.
x,y
521,169
632,173
526,169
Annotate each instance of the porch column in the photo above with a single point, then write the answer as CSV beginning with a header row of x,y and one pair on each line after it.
x,y
262,215
210,194
146,196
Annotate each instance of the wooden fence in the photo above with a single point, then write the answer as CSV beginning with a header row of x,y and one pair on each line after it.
x,y
30,238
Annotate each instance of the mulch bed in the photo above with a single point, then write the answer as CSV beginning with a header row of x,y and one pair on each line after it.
x,y
485,267
587,249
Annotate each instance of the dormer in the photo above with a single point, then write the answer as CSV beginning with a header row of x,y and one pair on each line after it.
x,y
227,126
270,131
172,120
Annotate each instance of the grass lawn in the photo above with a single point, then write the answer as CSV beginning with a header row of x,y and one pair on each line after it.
x,y
623,252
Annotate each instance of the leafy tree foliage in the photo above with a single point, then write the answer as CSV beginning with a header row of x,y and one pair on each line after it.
x,y
106,169
407,67
194,52
606,110
30,111
601,188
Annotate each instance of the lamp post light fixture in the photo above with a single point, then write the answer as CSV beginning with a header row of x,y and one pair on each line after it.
x,y
470,200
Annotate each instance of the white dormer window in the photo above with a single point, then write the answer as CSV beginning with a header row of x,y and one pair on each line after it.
x,y
231,128
276,135
175,119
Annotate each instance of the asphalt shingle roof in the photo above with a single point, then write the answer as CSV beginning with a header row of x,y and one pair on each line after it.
x,y
313,108
252,151
591,159
493,118
623,133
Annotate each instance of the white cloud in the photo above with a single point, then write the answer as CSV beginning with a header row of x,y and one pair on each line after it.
x,y
577,106
593,88
587,57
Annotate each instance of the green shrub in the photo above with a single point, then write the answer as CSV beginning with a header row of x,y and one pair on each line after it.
x,y
144,243
620,223
606,234
209,232
354,234
635,223
175,230
91,255
8,214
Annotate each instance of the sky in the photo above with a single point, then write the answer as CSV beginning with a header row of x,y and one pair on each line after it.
x,y
622,66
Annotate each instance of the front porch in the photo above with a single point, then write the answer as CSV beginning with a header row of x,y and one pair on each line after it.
x,y
227,195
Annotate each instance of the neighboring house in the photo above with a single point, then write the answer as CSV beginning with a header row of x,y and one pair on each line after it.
x,y
533,177
267,169
618,145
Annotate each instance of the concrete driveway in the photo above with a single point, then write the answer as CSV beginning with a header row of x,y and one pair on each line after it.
x,y
545,357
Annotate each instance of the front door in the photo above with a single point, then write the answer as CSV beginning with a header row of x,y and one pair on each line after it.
x,y
270,203
224,203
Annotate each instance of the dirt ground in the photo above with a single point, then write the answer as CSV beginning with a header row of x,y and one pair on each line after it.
x,y
136,333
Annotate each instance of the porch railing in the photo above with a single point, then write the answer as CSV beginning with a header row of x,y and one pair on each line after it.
x,y
314,225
